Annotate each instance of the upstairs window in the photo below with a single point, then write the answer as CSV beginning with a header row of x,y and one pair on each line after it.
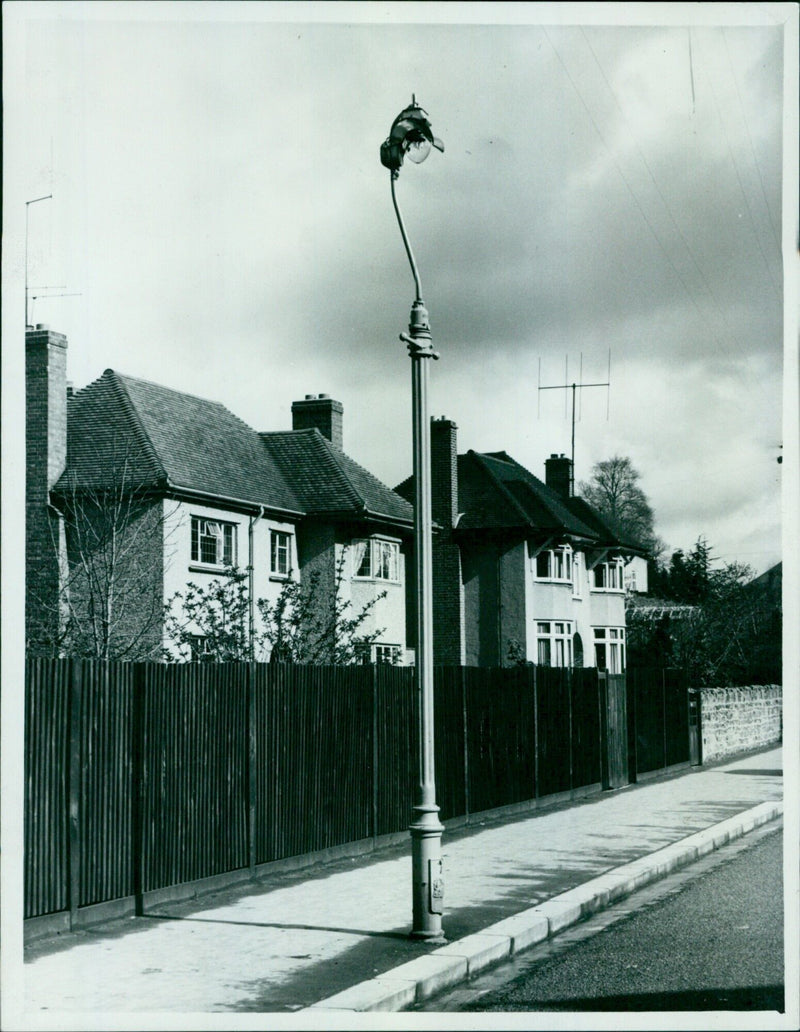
x,y
609,576
555,564
377,560
280,562
577,583
213,542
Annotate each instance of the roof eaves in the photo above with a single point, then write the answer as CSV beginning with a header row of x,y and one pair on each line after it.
x,y
180,490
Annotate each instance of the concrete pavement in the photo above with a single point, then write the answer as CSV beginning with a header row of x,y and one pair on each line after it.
x,y
335,938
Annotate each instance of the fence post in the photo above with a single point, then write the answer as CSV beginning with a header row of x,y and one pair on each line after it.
x,y
75,789
535,732
465,724
664,711
374,753
568,673
251,767
138,690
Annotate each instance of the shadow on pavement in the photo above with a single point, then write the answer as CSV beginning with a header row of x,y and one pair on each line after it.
x,y
752,998
758,773
360,932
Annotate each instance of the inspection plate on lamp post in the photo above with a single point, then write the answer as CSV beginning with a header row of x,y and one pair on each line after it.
x,y
435,874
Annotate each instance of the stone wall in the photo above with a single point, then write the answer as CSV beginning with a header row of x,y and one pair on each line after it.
x,y
735,720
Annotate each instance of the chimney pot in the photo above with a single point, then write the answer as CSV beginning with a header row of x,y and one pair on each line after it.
x,y
42,326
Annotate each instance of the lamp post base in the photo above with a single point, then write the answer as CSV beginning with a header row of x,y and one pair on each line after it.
x,y
426,873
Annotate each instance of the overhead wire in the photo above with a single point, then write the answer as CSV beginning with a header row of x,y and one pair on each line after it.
x,y
689,293
771,219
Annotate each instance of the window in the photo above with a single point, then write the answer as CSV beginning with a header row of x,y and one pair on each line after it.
x,y
280,553
554,643
609,649
377,560
378,653
577,568
608,576
554,564
213,542
201,649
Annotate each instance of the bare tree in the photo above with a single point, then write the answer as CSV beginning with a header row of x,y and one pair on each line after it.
x,y
613,489
109,545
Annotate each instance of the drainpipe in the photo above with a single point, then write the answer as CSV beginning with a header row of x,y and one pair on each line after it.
x,y
251,600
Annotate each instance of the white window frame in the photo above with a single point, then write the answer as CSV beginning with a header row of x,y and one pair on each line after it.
x,y
205,529
577,570
613,577
380,560
280,553
559,565
379,652
612,640
554,643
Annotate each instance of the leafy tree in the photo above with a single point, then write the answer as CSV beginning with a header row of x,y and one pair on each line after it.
x,y
613,489
300,626
722,628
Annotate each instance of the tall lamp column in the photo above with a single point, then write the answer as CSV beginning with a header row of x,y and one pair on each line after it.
x,y
411,136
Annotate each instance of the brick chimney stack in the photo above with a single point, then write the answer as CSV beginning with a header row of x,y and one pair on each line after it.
x,y
444,472
45,459
448,590
558,475
322,412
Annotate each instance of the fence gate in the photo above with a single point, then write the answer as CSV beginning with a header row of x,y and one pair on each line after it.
x,y
613,730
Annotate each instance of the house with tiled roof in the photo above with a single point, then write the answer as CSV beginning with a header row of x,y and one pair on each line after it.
x,y
194,491
522,569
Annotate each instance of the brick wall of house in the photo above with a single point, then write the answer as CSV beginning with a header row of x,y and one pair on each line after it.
x,y
116,573
46,451
448,592
735,720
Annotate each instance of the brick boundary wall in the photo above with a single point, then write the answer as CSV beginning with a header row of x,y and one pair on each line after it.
x,y
735,720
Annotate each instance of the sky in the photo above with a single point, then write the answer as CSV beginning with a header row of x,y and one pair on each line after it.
x,y
608,208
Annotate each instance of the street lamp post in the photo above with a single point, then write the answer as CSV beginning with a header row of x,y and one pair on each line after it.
x,y
411,136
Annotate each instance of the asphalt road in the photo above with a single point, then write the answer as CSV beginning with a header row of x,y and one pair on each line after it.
x,y
707,938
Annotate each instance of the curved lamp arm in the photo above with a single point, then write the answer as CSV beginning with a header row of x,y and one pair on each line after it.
x,y
409,252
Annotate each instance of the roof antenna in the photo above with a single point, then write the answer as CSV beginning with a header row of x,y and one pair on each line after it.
x,y
35,200
574,387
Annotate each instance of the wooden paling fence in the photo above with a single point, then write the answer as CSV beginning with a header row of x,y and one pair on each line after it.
x,y
144,776
658,719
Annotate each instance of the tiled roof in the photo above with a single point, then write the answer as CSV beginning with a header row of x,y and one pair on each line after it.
x,y
325,480
604,527
167,439
495,491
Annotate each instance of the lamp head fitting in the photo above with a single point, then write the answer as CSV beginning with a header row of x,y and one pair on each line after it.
x,y
410,136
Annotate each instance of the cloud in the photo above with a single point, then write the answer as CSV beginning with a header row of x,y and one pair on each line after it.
x,y
219,203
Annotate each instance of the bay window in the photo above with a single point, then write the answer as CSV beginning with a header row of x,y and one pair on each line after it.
x,y
609,576
376,559
554,643
554,564
609,649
